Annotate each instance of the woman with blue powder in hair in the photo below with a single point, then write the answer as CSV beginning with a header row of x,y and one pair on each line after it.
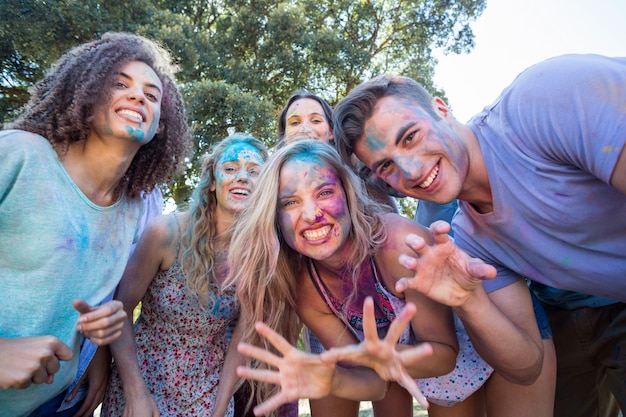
x,y
176,358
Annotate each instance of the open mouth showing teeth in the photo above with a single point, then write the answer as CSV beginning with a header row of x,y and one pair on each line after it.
x,y
241,192
131,114
317,234
430,178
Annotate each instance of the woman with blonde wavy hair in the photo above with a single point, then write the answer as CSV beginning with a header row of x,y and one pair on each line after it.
x,y
321,249
174,360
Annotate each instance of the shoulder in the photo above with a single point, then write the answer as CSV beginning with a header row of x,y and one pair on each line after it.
x,y
21,138
308,298
27,155
388,267
398,227
22,142
163,231
574,65
570,80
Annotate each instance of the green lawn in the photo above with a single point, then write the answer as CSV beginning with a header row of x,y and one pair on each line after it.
x,y
365,410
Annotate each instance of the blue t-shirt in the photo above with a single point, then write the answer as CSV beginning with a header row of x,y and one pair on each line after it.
x,y
550,144
56,246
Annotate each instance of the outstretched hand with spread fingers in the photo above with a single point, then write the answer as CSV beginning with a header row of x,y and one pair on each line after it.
x,y
299,374
381,354
443,272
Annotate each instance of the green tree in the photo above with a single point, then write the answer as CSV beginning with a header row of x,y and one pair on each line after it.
x,y
241,59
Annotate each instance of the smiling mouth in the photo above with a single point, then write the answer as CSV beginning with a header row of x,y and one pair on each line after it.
x,y
133,115
240,192
317,234
431,178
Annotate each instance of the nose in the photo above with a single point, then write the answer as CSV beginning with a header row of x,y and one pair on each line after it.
x,y
242,175
136,94
311,213
304,127
409,169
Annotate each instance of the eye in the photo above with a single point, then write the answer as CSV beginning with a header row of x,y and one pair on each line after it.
x,y
293,123
364,172
254,172
120,84
288,203
229,169
384,168
152,97
409,138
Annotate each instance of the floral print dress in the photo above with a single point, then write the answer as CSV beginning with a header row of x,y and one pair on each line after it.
x,y
180,348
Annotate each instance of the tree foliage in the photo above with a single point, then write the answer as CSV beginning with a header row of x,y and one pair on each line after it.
x,y
241,59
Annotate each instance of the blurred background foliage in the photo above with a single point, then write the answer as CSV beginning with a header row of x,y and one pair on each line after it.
x,y
241,59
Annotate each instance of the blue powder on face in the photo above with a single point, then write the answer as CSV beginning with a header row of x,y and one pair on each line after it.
x,y
136,134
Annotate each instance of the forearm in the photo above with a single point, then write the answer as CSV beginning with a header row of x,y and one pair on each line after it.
x,y
125,357
228,377
359,384
507,347
441,362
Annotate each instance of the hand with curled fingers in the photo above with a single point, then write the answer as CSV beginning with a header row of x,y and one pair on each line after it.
x,y
443,272
102,324
381,354
299,374
31,360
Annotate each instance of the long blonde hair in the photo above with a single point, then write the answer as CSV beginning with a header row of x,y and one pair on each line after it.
x,y
200,224
265,268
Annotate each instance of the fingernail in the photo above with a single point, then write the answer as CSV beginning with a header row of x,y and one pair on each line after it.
x,y
413,240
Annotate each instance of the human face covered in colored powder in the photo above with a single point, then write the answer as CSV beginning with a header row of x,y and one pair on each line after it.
x,y
313,211
134,109
306,119
413,152
236,173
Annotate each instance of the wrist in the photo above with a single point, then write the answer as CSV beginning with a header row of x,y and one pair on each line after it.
x,y
476,303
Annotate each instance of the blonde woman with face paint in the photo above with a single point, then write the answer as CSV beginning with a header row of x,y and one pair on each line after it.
x,y
308,116
173,361
322,247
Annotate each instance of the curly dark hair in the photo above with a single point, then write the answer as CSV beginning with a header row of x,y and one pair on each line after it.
x,y
63,105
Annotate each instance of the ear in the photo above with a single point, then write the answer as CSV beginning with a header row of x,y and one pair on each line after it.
x,y
441,108
212,187
159,128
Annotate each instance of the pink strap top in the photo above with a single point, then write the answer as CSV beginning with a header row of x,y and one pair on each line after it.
x,y
353,317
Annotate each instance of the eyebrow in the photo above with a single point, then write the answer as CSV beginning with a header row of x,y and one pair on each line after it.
x,y
310,114
401,132
319,187
123,74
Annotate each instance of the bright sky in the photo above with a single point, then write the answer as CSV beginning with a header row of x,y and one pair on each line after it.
x,y
511,35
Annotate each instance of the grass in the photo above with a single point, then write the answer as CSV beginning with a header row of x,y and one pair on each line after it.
x,y
364,411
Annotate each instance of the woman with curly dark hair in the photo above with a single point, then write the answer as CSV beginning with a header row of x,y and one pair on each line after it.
x,y
105,125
